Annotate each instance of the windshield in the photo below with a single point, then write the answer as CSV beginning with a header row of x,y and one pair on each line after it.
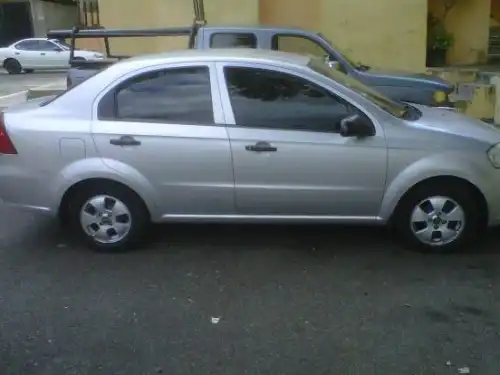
x,y
346,57
395,108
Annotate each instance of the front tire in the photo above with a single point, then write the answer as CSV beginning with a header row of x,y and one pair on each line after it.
x,y
438,218
12,66
108,217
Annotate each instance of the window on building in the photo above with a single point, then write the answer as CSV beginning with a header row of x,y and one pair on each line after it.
x,y
233,40
263,98
176,96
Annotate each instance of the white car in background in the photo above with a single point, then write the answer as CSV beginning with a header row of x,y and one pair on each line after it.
x,y
40,54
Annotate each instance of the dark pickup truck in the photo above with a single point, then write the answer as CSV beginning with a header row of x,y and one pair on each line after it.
x,y
410,87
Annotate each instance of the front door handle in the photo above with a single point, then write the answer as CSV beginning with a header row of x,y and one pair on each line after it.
x,y
125,140
261,147
43,54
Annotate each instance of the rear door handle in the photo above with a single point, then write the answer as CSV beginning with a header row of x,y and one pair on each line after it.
x,y
125,140
17,53
261,147
43,54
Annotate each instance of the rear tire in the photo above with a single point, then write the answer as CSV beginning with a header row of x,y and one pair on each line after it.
x,y
12,66
438,218
107,217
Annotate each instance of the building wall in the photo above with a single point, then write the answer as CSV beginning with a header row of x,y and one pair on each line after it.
x,y
469,22
47,16
165,13
382,33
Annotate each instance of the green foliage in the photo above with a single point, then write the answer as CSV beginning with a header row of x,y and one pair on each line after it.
x,y
438,38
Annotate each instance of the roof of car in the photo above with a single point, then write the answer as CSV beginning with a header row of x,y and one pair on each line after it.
x,y
215,54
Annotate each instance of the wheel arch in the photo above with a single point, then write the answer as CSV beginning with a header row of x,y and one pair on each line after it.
x,y
70,192
476,192
7,60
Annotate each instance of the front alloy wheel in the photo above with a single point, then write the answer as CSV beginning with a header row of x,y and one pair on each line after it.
x,y
437,221
438,217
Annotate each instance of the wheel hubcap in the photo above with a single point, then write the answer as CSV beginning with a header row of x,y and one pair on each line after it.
x,y
437,221
106,219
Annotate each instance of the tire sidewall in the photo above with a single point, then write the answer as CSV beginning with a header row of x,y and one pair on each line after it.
x,y
134,204
13,66
460,194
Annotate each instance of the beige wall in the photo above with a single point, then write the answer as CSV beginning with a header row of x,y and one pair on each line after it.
x,y
469,22
385,33
361,28
165,13
299,13
59,16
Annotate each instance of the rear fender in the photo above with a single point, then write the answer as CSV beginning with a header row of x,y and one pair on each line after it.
x,y
91,168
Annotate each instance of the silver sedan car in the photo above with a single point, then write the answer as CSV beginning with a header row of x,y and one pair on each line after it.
x,y
246,136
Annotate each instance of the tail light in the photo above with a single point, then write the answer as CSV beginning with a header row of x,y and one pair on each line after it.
x,y
6,145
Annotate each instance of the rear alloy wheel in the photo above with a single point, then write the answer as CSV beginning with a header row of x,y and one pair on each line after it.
x,y
12,66
109,218
438,219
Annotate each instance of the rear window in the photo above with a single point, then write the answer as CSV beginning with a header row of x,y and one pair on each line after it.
x,y
233,40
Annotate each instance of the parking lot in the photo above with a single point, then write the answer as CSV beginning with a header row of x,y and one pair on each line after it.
x,y
13,88
244,300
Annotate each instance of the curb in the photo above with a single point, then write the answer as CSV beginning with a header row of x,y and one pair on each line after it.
x,y
38,93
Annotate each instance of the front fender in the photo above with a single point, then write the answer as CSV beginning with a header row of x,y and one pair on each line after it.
x,y
90,168
447,164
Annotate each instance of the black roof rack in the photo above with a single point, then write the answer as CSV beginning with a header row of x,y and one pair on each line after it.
x,y
82,33
79,33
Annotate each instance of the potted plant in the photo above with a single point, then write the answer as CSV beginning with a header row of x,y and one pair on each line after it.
x,y
439,41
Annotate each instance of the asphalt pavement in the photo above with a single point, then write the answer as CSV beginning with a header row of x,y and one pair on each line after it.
x,y
212,299
13,88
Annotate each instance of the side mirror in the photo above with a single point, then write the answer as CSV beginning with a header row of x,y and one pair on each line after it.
x,y
332,63
356,126
57,49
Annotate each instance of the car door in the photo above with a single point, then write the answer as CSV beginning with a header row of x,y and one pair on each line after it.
x,y
52,56
162,125
289,158
26,53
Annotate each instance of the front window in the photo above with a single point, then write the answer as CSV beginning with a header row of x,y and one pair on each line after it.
x,y
389,105
355,64
298,44
268,99
65,46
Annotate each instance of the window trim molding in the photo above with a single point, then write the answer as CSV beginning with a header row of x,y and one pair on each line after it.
x,y
111,88
228,109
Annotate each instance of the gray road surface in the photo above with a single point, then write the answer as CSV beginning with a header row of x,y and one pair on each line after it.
x,y
11,84
286,300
